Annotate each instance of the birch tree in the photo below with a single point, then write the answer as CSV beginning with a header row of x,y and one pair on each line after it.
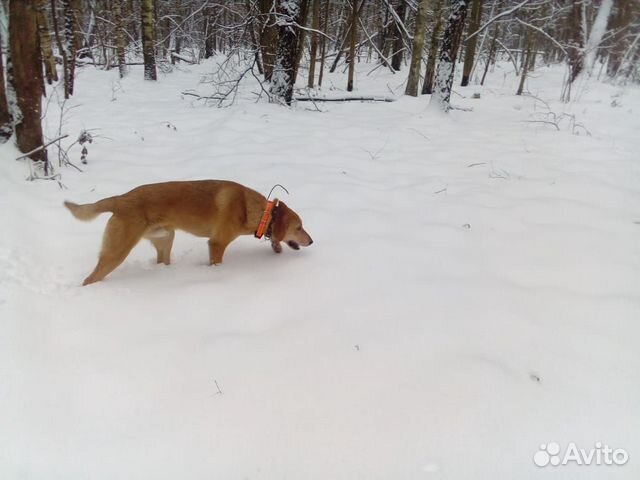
x,y
70,11
44,37
148,48
119,27
289,17
352,44
313,52
448,53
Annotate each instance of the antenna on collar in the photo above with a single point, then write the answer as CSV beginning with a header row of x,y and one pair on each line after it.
x,y
274,187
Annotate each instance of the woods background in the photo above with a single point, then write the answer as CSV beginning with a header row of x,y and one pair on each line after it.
x,y
278,41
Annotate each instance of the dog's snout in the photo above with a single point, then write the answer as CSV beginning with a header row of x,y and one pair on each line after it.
x,y
310,240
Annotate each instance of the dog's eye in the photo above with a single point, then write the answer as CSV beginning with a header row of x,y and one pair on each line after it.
x,y
299,227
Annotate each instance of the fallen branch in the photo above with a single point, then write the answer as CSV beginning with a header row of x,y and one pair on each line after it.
x,y
345,99
42,147
183,58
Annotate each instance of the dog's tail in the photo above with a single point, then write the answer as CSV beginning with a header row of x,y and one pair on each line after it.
x,y
90,211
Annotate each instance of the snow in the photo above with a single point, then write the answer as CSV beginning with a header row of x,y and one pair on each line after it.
x,y
472,291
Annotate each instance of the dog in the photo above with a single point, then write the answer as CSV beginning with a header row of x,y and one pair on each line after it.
x,y
217,209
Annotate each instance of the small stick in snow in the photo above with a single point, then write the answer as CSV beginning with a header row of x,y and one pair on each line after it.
x,y
42,147
219,392
419,133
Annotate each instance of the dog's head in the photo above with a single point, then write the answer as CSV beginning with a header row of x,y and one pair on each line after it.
x,y
287,227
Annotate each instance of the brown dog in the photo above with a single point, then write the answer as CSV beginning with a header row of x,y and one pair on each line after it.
x,y
217,209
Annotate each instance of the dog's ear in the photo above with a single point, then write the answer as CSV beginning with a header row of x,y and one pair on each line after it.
x,y
280,221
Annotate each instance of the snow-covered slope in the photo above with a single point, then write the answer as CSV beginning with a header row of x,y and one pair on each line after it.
x,y
472,293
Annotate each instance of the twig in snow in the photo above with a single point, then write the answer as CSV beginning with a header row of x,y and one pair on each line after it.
x,y
219,392
42,147
419,133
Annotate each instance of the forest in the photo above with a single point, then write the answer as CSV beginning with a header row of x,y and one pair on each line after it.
x,y
270,41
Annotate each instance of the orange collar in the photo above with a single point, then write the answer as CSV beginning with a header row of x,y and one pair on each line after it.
x,y
266,218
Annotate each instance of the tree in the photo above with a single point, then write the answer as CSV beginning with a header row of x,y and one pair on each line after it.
x,y
528,59
71,10
323,43
209,32
44,37
398,44
282,79
427,87
314,43
269,37
470,50
448,53
148,34
119,26
6,129
352,44
24,75
418,47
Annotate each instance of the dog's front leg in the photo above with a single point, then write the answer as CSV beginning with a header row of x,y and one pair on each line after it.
x,y
217,247
276,246
216,251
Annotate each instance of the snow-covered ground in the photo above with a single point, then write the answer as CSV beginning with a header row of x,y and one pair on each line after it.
x,y
472,293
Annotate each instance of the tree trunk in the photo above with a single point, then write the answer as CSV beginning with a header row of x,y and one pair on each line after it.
x,y
597,32
304,12
60,44
427,86
24,75
314,43
340,49
617,23
177,31
119,27
254,44
323,48
352,44
528,60
6,128
148,51
492,53
209,32
282,80
574,49
398,44
69,44
269,37
418,48
448,53
44,36
470,50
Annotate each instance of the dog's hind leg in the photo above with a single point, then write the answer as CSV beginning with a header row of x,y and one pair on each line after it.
x,y
120,237
163,241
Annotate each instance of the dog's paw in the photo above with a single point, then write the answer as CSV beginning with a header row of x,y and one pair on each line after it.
x,y
276,247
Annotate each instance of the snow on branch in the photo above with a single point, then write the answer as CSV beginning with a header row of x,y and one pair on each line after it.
x,y
497,17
